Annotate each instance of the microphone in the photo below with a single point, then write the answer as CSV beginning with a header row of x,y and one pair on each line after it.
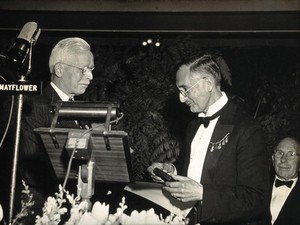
x,y
18,53
18,63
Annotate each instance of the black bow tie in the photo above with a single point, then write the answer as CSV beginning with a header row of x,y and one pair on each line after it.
x,y
279,183
205,120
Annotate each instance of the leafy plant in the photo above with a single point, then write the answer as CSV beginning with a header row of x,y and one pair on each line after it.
x,y
26,204
278,106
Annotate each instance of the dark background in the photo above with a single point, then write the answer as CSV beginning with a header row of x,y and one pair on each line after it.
x,y
261,48
249,40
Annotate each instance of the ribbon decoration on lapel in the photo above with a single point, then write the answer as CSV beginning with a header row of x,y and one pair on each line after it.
x,y
219,144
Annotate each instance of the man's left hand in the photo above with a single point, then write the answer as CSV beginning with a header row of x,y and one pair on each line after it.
x,y
184,189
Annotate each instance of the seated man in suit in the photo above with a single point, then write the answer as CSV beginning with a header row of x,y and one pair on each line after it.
x,y
285,201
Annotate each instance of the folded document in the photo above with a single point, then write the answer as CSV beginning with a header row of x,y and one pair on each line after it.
x,y
155,193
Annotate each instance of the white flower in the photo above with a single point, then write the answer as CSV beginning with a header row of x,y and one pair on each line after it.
x,y
99,215
88,219
100,212
152,218
144,217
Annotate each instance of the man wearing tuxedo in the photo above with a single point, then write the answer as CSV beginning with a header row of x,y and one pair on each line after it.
x,y
224,166
285,200
71,64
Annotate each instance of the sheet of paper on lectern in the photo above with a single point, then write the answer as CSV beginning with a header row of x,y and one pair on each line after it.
x,y
155,193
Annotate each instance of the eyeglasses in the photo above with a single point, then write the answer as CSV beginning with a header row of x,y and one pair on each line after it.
x,y
84,70
289,155
185,93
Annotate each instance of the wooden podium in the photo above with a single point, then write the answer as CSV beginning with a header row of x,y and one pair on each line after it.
x,y
108,150
87,155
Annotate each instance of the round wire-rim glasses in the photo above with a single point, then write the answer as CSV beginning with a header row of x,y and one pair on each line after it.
x,y
290,155
84,70
185,93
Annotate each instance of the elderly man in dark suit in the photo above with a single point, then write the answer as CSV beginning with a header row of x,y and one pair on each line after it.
x,y
224,167
285,200
71,63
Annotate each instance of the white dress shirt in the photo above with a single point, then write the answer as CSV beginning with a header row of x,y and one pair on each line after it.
x,y
61,94
201,140
279,196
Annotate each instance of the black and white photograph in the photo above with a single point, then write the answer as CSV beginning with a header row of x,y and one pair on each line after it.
x,y
149,112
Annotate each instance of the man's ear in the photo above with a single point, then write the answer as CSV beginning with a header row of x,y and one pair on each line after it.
x,y
273,159
208,83
58,70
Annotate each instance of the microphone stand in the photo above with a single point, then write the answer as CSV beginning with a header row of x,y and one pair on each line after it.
x,y
17,139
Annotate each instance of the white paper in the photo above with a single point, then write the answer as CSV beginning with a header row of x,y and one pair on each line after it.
x,y
155,193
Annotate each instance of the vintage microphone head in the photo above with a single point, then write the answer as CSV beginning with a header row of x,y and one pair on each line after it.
x,y
17,56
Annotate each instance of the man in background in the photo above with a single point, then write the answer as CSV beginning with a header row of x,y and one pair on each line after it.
x,y
285,200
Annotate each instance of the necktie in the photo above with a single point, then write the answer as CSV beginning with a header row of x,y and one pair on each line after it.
x,y
205,120
69,122
279,183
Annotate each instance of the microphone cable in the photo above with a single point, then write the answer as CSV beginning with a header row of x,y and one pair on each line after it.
x,y
76,144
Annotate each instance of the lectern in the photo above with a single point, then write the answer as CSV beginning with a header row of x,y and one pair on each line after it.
x,y
96,154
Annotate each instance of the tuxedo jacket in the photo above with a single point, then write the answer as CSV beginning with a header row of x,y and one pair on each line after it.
x,y
290,211
235,175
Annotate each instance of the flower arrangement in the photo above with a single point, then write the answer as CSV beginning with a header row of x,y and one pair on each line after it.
x,y
80,214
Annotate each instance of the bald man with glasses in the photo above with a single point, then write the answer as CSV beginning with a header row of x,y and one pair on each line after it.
x,y
285,199
71,64
224,166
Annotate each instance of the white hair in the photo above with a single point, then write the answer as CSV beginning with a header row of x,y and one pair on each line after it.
x,y
64,48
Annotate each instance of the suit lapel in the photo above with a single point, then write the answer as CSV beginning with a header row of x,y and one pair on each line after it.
x,y
220,137
52,97
289,214
218,142
224,126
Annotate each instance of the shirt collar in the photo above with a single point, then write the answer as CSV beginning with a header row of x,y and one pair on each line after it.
x,y
215,107
63,96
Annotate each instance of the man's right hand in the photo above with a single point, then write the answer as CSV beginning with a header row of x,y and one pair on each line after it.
x,y
169,168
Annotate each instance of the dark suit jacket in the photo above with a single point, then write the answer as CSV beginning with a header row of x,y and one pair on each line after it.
x,y
235,176
34,164
290,211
